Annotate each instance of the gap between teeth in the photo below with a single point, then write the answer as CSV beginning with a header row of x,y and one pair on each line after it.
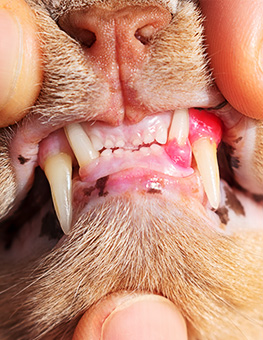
x,y
88,147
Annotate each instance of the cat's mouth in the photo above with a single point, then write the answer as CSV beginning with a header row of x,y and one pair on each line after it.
x,y
172,153
148,156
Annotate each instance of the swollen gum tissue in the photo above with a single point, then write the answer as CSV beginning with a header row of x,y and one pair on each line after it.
x,y
202,124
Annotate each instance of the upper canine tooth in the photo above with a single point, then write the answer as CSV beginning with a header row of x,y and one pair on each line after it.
x,y
58,170
80,144
205,152
179,128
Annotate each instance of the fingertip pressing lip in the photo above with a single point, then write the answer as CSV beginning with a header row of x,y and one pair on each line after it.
x,y
127,317
234,39
9,55
20,62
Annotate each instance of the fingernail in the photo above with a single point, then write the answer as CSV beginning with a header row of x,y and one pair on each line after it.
x,y
145,319
10,58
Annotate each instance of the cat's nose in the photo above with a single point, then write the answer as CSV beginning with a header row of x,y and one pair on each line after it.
x,y
116,36
116,42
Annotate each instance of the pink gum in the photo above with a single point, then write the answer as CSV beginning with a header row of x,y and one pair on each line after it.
x,y
204,124
54,144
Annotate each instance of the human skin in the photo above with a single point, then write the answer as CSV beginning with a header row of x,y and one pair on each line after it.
x,y
246,90
234,33
20,62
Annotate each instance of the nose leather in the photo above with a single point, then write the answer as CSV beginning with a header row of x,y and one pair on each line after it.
x,y
116,44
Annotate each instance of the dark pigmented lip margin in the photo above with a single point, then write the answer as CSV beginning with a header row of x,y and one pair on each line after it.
x,y
215,108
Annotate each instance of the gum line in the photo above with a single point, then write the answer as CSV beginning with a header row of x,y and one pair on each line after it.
x,y
171,158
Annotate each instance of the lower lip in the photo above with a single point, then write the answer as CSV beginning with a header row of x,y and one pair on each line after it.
x,y
141,181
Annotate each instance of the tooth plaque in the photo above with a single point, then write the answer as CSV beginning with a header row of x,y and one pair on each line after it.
x,y
80,144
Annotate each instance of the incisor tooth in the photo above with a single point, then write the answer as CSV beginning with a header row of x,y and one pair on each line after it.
x,y
80,144
179,128
96,142
58,170
205,153
161,135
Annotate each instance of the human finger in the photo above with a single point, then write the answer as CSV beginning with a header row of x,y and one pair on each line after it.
x,y
132,317
234,32
20,62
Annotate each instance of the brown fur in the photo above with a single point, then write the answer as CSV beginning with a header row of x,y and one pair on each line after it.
x,y
135,242
213,279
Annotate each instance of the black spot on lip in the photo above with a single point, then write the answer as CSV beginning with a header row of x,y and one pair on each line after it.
x,y
154,191
100,185
88,191
239,139
232,160
223,215
22,159
233,203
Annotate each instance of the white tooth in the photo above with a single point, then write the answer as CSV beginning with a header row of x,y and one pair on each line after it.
x,y
179,128
106,153
161,135
155,148
96,142
145,151
205,153
58,170
80,144
109,144
118,152
136,141
120,143
148,138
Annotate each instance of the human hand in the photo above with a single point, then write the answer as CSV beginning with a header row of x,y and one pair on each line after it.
x,y
129,317
20,66
234,32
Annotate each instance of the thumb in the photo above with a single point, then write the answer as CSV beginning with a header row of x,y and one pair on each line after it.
x,y
20,70
130,317
234,31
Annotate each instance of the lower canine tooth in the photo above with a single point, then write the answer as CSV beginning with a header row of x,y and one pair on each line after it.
x,y
80,144
179,128
205,153
58,170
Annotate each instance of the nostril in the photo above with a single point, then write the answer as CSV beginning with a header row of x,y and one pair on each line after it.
x,y
84,36
145,34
